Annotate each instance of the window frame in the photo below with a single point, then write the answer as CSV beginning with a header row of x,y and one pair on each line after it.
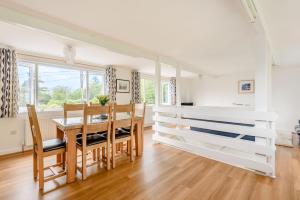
x,y
165,82
34,77
149,79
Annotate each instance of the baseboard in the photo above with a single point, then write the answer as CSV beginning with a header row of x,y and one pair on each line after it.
x,y
284,138
10,150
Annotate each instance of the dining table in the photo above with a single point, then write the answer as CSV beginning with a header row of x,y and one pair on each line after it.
x,y
68,128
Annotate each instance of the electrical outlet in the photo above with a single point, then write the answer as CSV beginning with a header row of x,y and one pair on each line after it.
x,y
13,132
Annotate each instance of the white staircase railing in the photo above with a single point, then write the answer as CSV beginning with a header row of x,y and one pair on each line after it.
x,y
173,127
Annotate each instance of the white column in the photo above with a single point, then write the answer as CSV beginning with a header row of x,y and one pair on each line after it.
x,y
157,95
157,82
178,82
263,77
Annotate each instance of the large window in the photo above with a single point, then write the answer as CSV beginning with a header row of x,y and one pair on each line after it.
x,y
95,84
148,91
49,86
25,83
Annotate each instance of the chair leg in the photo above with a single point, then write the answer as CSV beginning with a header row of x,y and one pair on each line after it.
x,y
63,159
83,165
113,155
41,172
107,156
103,153
128,147
131,150
98,156
35,165
94,154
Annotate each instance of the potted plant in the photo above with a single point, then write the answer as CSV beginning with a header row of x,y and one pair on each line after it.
x,y
103,100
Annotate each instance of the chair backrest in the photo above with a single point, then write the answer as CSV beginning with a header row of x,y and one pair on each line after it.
x,y
91,124
128,119
140,110
35,128
72,107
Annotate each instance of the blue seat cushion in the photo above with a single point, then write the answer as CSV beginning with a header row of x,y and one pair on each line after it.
x,y
50,145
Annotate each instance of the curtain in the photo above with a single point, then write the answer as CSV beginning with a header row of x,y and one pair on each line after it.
x,y
110,83
136,87
8,83
173,90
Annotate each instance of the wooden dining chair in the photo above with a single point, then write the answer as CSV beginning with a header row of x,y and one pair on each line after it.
x,y
42,149
140,109
90,140
119,135
71,108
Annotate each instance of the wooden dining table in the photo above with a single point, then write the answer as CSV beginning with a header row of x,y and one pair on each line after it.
x,y
68,129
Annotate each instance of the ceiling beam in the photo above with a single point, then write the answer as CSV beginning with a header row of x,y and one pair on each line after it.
x,y
20,16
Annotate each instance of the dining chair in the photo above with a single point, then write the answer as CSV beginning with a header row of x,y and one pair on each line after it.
x,y
90,140
119,135
71,108
140,109
42,149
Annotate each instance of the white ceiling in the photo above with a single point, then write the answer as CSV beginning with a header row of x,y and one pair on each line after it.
x,y
283,22
212,35
40,42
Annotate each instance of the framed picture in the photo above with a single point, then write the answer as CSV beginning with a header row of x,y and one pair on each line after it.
x,y
246,86
123,86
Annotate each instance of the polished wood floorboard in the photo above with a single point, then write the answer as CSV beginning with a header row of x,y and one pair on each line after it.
x,y
162,173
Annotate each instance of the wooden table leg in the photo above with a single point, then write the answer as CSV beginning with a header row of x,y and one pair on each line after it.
x,y
138,139
59,135
71,156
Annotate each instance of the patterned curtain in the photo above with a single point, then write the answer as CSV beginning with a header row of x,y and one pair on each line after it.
x,y
136,87
173,90
8,83
110,83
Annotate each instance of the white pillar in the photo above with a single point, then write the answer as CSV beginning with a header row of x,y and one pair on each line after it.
x,y
157,82
263,77
157,95
178,82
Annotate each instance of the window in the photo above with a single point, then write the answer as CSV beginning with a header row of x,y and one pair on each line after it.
x,y
165,92
95,84
25,83
148,91
57,86
49,86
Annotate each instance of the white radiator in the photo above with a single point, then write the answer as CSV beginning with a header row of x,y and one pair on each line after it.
x,y
48,131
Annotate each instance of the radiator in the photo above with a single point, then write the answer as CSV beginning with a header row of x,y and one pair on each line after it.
x,y
48,131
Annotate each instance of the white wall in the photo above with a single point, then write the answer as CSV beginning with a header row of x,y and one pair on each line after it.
x,y
123,73
286,97
12,135
219,91
222,91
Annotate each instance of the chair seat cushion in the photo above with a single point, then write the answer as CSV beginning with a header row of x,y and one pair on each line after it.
x,y
79,135
120,133
50,145
92,139
125,129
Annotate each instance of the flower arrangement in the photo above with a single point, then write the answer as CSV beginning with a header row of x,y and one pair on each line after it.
x,y
103,99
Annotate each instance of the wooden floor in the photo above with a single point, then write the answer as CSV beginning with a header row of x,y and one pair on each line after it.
x,y
162,173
